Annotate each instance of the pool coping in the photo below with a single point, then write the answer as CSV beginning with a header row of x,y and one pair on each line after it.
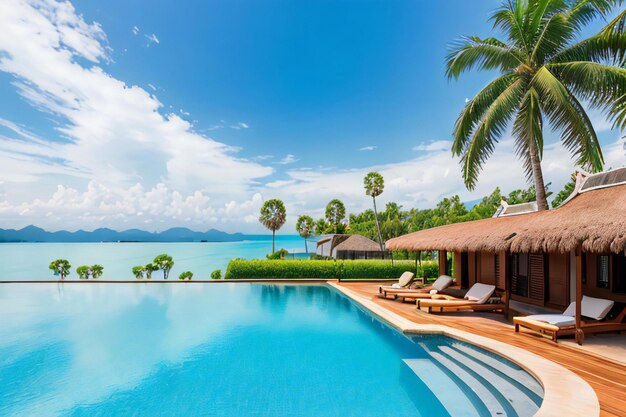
x,y
565,393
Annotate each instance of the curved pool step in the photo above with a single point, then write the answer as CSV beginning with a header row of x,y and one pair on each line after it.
x,y
508,393
512,372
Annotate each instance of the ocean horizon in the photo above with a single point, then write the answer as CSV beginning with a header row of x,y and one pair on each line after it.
x,y
29,261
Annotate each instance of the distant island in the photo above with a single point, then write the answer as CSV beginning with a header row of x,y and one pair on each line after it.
x,y
176,234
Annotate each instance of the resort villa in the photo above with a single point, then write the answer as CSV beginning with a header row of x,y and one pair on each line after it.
x,y
343,246
543,261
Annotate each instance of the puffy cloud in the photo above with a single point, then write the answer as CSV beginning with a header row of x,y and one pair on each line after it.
x,y
367,148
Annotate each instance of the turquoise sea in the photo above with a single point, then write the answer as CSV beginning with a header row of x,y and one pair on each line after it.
x,y
29,261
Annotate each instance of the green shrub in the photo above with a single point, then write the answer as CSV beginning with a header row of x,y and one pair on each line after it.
x,y
289,269
217,274
187,275
279,254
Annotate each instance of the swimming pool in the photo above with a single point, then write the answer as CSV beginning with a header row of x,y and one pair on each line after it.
x,y
234,349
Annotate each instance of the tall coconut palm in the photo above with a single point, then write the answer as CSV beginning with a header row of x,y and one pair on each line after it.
x,y
547,76
374,186
165,263
335,213
304,227
273,216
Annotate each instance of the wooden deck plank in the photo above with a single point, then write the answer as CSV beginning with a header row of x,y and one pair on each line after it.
x,y
606,377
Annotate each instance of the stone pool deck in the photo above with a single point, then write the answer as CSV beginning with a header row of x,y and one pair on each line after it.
x,y
607,377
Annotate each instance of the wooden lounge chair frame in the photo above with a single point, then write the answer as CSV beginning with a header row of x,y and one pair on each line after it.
x,y
616,325
384,291
438,303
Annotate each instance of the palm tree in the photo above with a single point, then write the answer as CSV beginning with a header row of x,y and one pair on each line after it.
x,y
149,269
374,186
273,216
165,263
60,267
546,76
83,272
304,227
335,213
138,271
96,271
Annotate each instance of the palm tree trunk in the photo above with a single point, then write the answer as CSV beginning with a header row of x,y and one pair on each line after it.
x,y
273,233
380,237
306,248
540,188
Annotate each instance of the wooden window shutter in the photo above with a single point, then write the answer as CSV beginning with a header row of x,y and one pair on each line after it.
x,y
537,277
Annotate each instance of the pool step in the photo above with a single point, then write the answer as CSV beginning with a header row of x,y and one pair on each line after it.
x,y
470,382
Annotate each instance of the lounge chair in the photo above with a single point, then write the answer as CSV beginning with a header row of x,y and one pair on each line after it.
x,y
405,281
476,299
596,320
440,284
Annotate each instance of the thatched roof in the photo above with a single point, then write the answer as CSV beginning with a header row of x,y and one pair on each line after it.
x,y
594,220
357,243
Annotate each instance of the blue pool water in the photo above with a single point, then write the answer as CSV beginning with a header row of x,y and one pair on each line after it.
x,y
230,349
29,261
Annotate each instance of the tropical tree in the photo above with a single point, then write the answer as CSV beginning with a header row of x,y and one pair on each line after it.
x,y
165,263
273,216
547,76
60,267
374,186
83,272
304,227
96,271
335,213
320,227
217,274
149,269
139,271
187,275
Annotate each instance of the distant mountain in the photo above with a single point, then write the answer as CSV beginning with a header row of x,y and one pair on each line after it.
x,y
176,234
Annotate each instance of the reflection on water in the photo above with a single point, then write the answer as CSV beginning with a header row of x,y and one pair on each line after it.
x,y
203,349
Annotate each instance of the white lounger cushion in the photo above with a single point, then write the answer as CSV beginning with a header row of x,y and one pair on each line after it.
x,y
560,320
442,283
480,293
594,308
405,279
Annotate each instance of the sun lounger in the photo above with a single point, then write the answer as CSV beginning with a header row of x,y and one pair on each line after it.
x,y
443,282
477,299
405,281
594,310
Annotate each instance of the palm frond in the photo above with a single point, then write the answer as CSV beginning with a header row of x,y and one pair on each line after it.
x,y
476,150
483,54
476,108
569,117
528,129
511,19
608,46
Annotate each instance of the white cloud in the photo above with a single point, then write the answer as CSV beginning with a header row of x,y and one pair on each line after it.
x,y
152,87
263,157
599,120
135,30
288,159
367,148
152,38
239,126
111,133
438,145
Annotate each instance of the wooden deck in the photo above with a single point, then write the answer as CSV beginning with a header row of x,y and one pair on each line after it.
x,y
606,377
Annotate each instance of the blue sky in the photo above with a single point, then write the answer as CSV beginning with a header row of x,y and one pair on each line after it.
x,y
135,114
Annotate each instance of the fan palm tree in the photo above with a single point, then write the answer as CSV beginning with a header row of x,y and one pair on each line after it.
x,y
165,263
547,76
335,213
273,216
304,227
83,272
374,186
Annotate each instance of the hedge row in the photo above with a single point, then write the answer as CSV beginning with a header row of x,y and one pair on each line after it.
x,y
287,269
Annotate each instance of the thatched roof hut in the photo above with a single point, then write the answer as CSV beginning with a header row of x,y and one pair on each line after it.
x,y
593,218
341,246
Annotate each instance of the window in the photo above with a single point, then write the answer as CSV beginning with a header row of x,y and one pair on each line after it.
x,y
603,272
619,273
